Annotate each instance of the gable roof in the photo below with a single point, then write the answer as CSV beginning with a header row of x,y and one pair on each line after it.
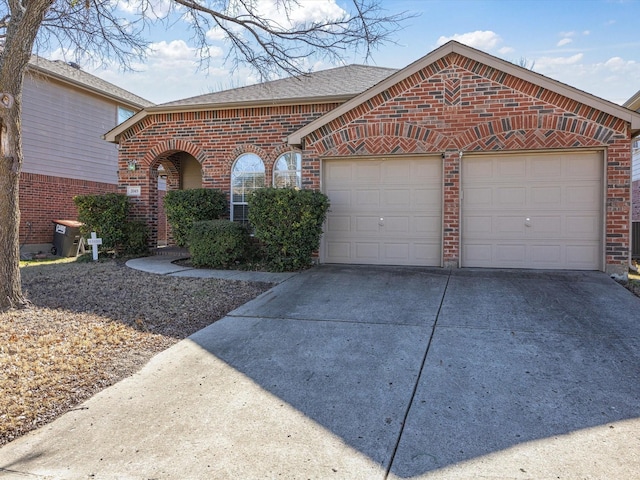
x,y
72,75
455,47
335,85
634,102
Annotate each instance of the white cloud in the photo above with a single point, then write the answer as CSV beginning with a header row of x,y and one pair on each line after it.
x,y
564,41
480,39
506,50
549,63
606,79
171,72
292,13
156,8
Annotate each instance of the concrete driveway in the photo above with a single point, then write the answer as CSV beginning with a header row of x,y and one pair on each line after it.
x,y
374,373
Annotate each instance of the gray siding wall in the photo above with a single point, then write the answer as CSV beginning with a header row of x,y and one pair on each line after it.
x,y
636,160
62,132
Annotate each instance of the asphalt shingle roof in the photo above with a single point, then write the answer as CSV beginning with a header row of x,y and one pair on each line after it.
x,y
64,71
345,81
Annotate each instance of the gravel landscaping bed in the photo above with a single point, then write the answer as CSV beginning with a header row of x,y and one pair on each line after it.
x,y
92,324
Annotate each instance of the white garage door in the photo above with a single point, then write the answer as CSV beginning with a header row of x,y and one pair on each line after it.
x,y
533,211
383,211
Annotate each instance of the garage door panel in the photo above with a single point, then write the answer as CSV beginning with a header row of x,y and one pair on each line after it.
x,y
367,173
556,223
511,167
477,225
397,225
507,226
581,196
339,250
393,216
512,196
368,199
546,226
544,168
366,224
542,255
339,199
425,198
547,196
340,174
581,256
338,223
583,226
396,198
427,226
476,198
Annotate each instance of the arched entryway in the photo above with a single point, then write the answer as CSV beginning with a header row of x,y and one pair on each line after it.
x,y
175,171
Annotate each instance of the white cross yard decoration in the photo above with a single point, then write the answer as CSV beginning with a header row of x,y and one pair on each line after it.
x,y
94,242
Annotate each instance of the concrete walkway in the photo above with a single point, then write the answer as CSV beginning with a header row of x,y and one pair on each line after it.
x,y
164,265
375,373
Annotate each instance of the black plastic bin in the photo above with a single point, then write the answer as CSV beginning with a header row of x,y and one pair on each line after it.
x,y
66,238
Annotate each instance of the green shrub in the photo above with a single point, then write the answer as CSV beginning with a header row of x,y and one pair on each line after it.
x,y
183,207
107,216
218,243
288,225
104,214
136,238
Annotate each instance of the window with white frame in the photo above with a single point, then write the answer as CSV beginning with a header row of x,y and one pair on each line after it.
x,y
247,175
287,171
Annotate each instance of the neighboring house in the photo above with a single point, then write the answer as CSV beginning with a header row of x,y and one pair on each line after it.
x,y
634,104
65,113
458,160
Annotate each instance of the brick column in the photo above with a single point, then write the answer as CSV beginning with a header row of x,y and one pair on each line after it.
x,y
451,209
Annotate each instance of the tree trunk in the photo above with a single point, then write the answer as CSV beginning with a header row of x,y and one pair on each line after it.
x,y
10,286
21,31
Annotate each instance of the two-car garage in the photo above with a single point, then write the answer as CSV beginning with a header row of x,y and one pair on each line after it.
x,y
542,210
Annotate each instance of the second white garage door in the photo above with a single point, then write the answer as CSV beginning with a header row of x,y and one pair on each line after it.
x,y
383,211
533,211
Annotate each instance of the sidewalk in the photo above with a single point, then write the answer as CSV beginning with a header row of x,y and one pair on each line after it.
x,y
163,265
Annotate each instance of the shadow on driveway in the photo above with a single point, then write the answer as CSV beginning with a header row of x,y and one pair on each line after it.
x,y
419,370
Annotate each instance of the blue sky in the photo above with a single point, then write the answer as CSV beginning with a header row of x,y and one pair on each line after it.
x,y
593,45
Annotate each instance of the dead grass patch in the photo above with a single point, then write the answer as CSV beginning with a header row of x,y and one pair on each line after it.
x,y
92,324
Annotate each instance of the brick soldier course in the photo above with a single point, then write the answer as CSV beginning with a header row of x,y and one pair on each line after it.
x,y
453,102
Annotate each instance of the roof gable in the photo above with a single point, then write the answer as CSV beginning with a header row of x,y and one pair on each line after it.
x,y
633,103
324,86
486,65
333,83
72,75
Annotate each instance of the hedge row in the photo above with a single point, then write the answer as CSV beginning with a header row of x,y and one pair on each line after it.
x,y
286,224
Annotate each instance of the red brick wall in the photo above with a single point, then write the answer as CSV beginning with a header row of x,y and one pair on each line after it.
x,y
459,105
215,139
454,105
45,198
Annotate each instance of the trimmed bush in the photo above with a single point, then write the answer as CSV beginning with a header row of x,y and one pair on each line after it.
x,y
288,225
136,238
107,216
218,243
183,207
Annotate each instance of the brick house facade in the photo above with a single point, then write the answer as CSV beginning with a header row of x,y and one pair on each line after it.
x,y
455,108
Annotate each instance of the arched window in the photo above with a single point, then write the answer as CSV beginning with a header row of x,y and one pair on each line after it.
x,y
247,175
287,171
